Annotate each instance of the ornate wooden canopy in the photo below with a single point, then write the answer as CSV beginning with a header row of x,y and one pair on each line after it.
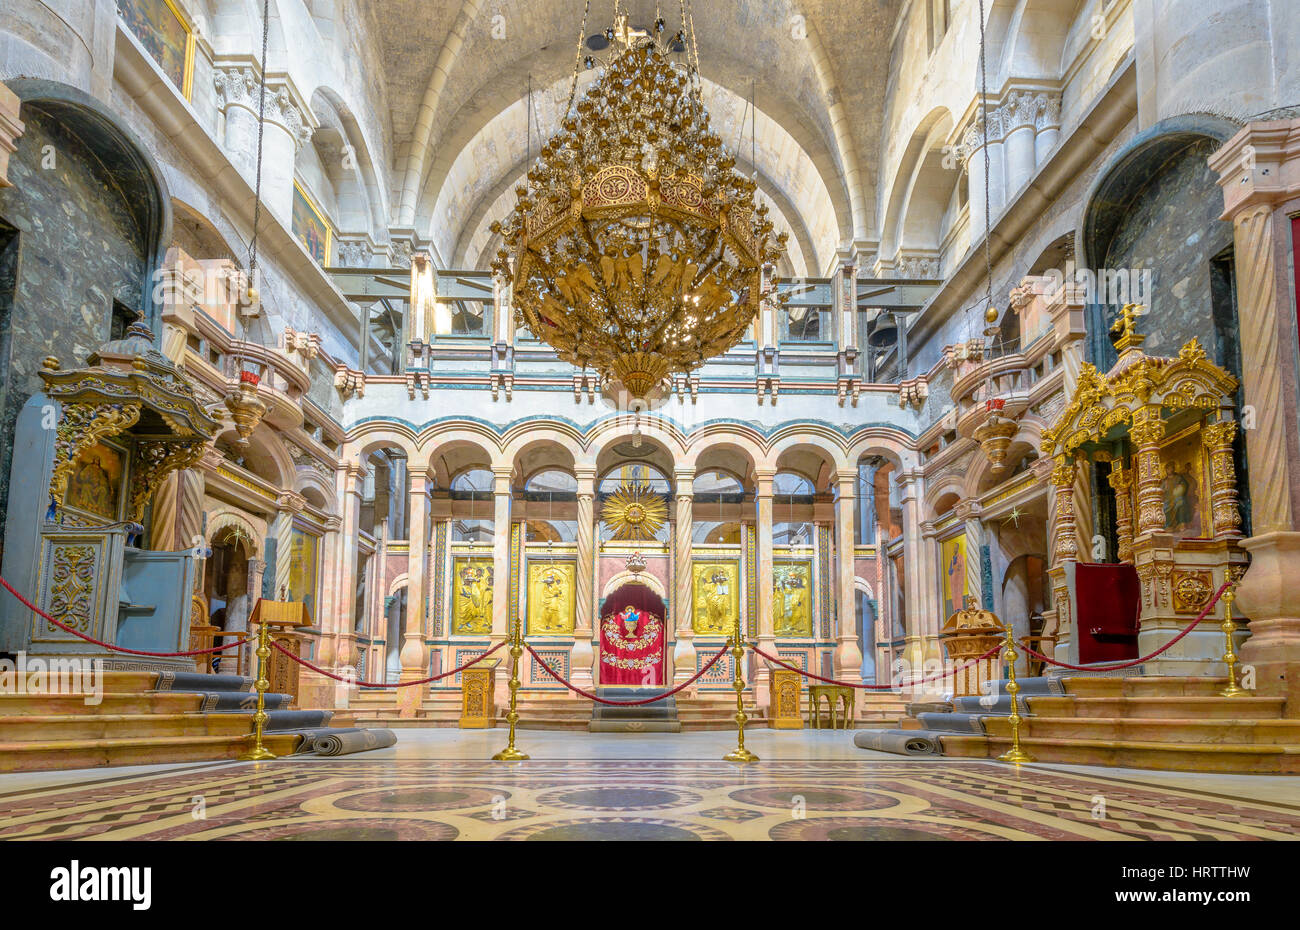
x,y
129,389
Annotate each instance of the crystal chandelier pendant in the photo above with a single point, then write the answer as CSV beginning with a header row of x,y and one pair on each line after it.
x,y
635,247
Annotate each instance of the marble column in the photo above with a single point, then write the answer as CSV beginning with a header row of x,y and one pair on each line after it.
x,y
288,505
763,479
1018,147
848,650
1047,126
415,653
503,612
1259,171
683,601
582,660
350,481
977,155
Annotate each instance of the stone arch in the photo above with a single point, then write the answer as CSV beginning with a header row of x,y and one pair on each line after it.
x,y
627,577
921,180
360,200
227,518
123,158
398,583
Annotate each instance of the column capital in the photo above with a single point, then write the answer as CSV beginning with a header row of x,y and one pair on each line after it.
x,y
236,81
290,502
1259,166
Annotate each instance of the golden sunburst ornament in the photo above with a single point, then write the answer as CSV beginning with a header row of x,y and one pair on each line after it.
x,y
634,512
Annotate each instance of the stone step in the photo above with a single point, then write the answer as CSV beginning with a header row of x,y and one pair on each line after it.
x,y
1254,759
120,726
1145,686
126,702
1245,707
1168,729
51,755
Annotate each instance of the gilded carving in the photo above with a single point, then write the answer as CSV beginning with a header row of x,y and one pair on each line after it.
x,y
1192,590
792,599
72,584
716,597
82,426
551,593
471,602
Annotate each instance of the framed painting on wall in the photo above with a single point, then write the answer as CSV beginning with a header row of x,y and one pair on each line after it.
x,y
551,598
95,485
471,595
792,591
310,226
1183,485
955,583
715,597
166,35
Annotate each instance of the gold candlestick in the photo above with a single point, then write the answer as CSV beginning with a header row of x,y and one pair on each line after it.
x,y
259,751
510,753
1230,652
740,754
1015,754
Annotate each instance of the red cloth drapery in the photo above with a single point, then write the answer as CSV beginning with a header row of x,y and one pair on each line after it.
x,y
1107,602
632,637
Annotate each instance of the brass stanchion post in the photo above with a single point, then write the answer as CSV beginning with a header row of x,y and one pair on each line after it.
x,y
259,751
740,753
510,753
1015,754
1230,651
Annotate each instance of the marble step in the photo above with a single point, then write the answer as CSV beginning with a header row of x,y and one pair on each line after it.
x,y
1167,729
1244,707
50,755
1253,759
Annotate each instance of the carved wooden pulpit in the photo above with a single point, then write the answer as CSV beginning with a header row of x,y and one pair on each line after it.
x,y
289,621
90,450
967,635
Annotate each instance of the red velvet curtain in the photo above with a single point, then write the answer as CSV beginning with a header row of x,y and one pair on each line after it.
x,y
632,637
1108,600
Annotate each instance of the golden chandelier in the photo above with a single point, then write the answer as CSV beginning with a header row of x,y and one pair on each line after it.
x,y
635,246
634,511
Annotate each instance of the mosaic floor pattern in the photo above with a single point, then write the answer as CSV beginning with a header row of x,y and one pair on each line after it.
x,y
403,799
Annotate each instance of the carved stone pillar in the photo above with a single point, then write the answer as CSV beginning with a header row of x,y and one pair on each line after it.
x,y
288,505
582,660
1065,548
415,653
327,598
848,651
763,479
289,124
502,609
1122,482
351,479
683,600
1224,510
1148,430
1018,115
1259,171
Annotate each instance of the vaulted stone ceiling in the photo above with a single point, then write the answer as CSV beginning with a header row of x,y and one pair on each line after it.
x,y
456,73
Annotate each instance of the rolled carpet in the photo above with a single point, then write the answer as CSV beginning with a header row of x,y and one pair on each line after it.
x,y
902,742
348,740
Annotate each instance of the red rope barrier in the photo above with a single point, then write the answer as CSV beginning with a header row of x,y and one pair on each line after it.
x,y
864,685
135,652
650,700
380,684
1114,668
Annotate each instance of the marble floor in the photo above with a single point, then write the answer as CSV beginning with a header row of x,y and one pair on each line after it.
x,y
439,784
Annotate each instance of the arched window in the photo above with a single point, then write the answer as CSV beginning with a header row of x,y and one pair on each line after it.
x,y
792,500
472,506
718,495
551,497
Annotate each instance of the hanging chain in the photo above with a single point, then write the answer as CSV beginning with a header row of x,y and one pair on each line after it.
x,y
577,58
